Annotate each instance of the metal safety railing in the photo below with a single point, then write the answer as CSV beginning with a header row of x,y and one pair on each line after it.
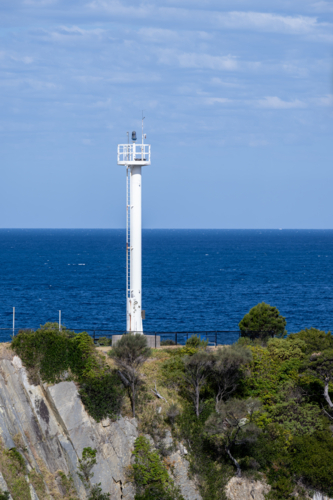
x,y
104,336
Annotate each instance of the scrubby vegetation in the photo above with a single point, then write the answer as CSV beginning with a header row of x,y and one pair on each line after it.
x,y
150,474
130,352
261,408
51,356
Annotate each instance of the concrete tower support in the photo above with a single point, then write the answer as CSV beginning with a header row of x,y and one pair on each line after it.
x,y
134,316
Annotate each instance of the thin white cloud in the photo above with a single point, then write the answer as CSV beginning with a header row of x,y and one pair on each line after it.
x,y
217,100
116,7
218,82
103,104
166,35
326,100
322,6
39,3
274,102
64,33
267,22
235,20
200,61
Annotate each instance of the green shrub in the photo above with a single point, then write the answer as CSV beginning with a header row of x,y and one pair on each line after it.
x,y
312,460
97,494
148,468
196,342
284,349
150,474
48,353
315,340
104,341
4,495
168,342
102,396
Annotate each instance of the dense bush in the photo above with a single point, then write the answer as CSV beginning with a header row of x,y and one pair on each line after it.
x,y
150,475
102,396
48,353
51,355
311,458
315,340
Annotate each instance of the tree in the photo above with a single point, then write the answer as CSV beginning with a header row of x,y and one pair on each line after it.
x,y
225,369
263,320
86,464
321,366
232,426
196,373
130,352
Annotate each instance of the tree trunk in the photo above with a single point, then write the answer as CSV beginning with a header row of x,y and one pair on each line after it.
x,y
217,399
326,395
239,472
197,401
133,398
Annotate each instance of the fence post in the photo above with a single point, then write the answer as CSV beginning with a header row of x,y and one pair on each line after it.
x,y
215,339
155,340
187,335
176,339
94,336
13,321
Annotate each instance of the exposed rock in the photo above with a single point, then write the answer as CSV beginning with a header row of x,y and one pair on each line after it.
x,y
246,489
53,428
319,496
3,486
50,426
180,473
167,441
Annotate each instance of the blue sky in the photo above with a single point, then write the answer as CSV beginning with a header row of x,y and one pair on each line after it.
x,y
238,100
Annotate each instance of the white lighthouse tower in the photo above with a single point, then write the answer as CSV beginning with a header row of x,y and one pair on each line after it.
x,y
134,156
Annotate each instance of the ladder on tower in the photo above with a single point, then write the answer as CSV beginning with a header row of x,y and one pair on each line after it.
x,y
128,232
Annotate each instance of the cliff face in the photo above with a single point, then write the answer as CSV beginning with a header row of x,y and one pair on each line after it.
x,y
50,427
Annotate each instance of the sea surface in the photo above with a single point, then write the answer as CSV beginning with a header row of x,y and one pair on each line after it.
x,y
193,280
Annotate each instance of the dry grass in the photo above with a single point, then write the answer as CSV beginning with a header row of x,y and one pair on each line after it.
x,y
14,474
149,405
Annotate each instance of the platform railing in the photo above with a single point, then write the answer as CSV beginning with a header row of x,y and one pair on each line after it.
x,y
133,153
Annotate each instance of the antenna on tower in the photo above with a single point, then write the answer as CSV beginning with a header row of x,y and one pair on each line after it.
x,y
143,135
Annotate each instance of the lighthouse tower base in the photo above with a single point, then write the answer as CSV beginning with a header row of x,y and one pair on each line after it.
x,y
153,341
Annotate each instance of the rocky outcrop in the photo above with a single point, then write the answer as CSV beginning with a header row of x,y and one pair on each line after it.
x,y
246,489
49,425
52,427
180,473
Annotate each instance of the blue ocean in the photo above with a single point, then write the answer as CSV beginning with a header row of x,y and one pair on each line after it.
x,y
193,280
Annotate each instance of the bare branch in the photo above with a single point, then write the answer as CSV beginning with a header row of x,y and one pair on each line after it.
x,y
157,394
